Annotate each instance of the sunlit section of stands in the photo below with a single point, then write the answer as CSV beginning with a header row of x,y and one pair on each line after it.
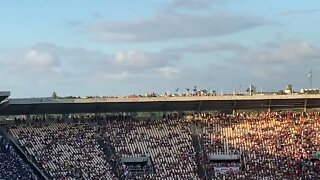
x,y
273,145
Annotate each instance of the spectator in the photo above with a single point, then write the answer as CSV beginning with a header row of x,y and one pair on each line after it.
x,y
11,164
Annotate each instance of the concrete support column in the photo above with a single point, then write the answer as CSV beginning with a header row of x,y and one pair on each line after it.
x,y
28,117
305,105
180,114
270,103
199,106
64,116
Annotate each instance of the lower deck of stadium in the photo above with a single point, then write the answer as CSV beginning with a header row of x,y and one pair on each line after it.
x,y
267,146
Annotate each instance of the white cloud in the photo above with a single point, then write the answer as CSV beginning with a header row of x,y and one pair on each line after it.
x,y
137,60
133,58
119,76
270,65
169,72
208,47
167,26
298,12
29,62
272,52
193,4
42,60
289,51
49,67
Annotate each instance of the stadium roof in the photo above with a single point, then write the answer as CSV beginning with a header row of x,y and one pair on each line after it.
x,y
148,104
4,95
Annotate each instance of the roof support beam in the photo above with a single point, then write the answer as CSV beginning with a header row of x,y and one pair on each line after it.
x,y
15,108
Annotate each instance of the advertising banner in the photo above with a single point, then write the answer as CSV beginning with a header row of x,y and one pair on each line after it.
x,y
224,170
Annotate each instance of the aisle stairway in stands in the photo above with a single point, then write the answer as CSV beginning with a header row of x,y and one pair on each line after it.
x,y
197,147
110,153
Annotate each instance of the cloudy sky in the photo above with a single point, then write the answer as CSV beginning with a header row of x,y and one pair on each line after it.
x,y
99,47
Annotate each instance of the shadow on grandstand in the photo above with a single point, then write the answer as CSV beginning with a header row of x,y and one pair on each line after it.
x,y
126,168
133,167
20,151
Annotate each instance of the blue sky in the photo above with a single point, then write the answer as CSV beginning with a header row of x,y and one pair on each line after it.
x,y
78,47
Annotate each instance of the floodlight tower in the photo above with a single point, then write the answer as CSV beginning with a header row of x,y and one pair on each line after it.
x,y
310,78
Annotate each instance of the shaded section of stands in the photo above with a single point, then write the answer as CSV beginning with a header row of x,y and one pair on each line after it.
x,y
65,150
12,165
167,142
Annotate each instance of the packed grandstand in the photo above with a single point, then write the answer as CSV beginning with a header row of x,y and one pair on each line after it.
x,y
277,145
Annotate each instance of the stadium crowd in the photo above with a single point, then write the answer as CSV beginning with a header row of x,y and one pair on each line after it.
x,y
11,164
277,145
167,142
65,150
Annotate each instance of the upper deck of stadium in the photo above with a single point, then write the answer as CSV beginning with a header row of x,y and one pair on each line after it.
x,y
147,104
